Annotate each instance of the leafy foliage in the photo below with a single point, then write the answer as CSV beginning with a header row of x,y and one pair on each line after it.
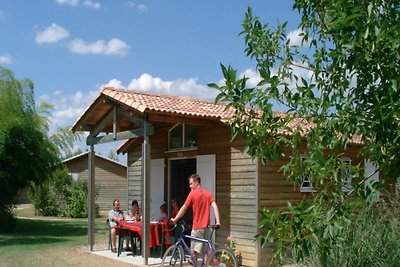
x,y
370,238
76,200
65,140
339,85
48,198
60,196
26,154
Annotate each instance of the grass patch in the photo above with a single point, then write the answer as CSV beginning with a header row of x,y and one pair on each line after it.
x,y
52,242
40,233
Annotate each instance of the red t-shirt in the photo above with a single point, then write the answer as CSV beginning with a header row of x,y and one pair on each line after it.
x,y
173,214
200,200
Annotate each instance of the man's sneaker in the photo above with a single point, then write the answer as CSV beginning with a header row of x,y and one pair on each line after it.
x,y
128,249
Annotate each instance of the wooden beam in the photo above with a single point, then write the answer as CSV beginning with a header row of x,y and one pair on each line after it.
x,y
146,169
103,123
130,117
92,195
120,136
115,122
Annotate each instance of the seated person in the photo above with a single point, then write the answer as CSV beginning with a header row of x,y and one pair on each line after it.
x,y
136,211
115,215
175,208
164,216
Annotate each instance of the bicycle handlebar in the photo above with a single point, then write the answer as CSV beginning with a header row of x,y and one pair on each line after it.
x,y
183,225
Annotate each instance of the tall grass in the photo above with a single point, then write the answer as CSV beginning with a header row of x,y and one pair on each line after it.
x,y
371,239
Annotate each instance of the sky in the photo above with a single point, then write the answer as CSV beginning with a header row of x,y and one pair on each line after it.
x,y
71,49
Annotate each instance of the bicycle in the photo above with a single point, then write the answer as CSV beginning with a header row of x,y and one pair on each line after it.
x,y
175,255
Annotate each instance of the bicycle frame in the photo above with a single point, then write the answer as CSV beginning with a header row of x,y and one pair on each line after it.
x,y
207,246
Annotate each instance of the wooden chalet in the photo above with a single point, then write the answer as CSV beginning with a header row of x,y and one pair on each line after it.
x,y
172,137
111,179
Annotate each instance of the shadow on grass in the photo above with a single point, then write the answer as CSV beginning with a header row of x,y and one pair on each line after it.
x,y
39,232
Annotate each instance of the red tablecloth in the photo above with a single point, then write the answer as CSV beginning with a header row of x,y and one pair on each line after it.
x,y
156,230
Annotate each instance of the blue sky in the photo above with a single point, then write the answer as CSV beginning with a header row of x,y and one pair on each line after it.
x,y
70,49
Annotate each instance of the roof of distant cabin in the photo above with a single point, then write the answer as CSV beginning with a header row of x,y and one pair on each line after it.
x,y
85,154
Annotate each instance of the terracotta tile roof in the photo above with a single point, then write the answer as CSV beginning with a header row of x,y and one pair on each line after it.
x,y
166,103
174,105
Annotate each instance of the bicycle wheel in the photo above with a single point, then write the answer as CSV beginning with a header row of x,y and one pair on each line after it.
x,y
222,258
173,256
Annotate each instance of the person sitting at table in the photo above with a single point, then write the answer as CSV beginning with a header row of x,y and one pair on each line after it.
x,y
164,216
115,215
136,211
175,208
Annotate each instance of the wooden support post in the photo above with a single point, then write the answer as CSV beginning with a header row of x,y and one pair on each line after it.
x,y
146,195
91,197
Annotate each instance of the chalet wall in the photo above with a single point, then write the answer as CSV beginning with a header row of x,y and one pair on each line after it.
x,y
135,184
235,182
275,191
110,180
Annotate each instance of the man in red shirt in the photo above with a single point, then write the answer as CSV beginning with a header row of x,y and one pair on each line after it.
x,y
200,200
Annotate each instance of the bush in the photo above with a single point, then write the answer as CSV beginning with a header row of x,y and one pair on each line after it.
x,y
61,196
7,220
48,198
76,200
372,238
43,199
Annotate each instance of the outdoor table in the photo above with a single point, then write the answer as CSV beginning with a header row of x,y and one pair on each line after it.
x,y
136,227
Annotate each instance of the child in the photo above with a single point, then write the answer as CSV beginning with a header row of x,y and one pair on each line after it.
x,y
136,211
164,216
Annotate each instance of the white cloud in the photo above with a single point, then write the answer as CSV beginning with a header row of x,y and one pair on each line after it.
x,y
67,2
114,83
253,77
180,87
113,47
5,59
51,34
295,38
138,6
148,83
67,107
91,4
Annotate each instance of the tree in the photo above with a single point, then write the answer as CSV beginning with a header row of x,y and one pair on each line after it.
x,y
65,140
351,49
26,153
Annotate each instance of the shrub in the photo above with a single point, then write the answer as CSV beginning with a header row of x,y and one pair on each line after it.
x,y
43,200
76,200
48,198
7,220
60,196
372,238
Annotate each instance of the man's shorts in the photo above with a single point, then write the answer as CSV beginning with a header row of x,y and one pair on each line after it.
x,y
203,233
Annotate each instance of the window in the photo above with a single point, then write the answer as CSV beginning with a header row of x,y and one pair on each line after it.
x,y
306,178
182,136
345,173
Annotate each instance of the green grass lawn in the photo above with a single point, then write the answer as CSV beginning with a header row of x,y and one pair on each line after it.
x,y
40,241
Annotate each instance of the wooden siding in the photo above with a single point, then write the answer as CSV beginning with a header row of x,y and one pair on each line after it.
x,y
135,184
110,180
275,191
235,182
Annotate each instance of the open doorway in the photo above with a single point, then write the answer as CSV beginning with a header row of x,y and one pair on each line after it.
x,y
180,170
